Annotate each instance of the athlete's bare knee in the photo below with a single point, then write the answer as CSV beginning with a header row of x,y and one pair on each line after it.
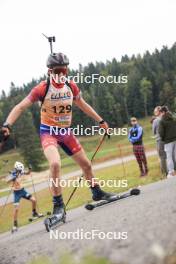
x,y
16,209
86,165
32,199
55,166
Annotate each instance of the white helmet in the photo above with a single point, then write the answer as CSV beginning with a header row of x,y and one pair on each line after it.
x,y
19,167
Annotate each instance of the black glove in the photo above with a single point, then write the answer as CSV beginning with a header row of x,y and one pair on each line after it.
x,y
5,132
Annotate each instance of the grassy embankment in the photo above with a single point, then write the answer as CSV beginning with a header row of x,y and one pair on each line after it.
x,y
82,196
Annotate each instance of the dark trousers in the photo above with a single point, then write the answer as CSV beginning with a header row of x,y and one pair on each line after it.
x,y
139,153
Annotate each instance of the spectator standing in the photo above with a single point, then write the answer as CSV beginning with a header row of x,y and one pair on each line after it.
x,y
159,142
135,137
167,132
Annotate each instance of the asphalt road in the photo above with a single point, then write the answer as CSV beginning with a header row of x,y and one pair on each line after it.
x,y
149,220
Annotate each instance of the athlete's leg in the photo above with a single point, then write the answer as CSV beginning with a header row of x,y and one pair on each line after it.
x,y
85,164
70,144
17,198
53,157
15,216
73,148
49,144
15,213
34,205
34,202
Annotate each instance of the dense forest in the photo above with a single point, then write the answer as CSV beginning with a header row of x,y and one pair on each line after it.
x,y
151,82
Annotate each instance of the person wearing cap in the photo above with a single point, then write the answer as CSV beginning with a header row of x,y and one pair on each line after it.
x,y
135,137
57,96
159,142
167,132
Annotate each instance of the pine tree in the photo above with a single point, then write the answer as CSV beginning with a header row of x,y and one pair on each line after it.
x,y
146,87
28,141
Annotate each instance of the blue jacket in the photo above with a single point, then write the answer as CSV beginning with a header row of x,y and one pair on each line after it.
x,y
135,135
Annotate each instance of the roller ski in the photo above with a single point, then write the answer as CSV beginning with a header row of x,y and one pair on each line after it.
x,y
14,229
107,198
35,216
98,194
58,216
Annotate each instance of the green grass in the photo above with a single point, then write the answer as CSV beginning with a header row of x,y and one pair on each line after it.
x,y
83,195
90,258
69,259
2,194
113,148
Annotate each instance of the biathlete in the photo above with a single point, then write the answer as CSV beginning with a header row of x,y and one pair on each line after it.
x,y
15,178
56,99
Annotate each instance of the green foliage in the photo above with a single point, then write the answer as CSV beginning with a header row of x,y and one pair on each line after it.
x,y
70,259
151,82
28,141
117,172
24,133
146,91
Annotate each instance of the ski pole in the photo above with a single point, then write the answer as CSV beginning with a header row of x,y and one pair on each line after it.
x,y
48,180
123,165
35,194
5,164
3,208
81,177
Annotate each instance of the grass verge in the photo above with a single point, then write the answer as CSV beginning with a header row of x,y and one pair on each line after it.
x,y
83,195
115,147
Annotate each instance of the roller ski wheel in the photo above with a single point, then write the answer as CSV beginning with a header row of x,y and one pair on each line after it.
x,y
14,229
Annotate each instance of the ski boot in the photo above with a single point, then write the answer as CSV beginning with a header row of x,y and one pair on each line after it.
x,y
14,229
35,216
58,216
98,194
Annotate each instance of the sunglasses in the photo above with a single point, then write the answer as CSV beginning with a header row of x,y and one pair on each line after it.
x,y
133,120
60,70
